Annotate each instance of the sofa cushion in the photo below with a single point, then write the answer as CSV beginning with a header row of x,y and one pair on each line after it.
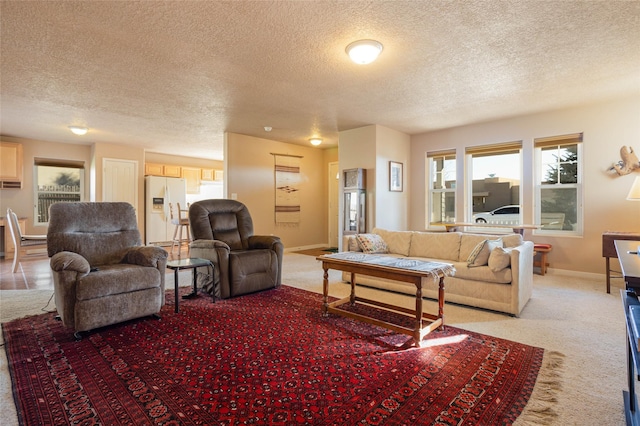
x,y
435,245
499,259
371,243
512,240
119,278
469,241
480,254
398,242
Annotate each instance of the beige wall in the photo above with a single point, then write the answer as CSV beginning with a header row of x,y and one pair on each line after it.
x,y
177,160
250,176
371,148
606,126
22,200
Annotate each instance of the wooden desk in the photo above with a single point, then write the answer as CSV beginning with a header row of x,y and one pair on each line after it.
x,y
518,229
629,262
609,250
633,362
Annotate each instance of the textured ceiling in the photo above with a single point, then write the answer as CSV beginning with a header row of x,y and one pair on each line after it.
x,y
172,77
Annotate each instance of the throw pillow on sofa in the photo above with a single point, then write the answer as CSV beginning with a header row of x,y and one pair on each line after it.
x,y
480,254
371,243
499,259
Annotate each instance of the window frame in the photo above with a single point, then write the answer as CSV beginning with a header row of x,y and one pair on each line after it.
x,y
63,165
431,158
490,150
559,141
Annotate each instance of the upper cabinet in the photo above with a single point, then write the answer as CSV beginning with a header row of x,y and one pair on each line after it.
x,y
10,165
155,169
192,176
211,174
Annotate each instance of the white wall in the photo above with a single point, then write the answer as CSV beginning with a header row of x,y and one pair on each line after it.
x,y
392,208
606,126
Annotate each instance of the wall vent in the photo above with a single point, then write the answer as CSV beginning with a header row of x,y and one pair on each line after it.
x,y
7,184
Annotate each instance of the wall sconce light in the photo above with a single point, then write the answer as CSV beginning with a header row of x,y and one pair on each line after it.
x,y
364,51
78,130
634,193
315,141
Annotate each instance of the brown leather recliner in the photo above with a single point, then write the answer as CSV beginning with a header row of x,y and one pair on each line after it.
x,y
222,232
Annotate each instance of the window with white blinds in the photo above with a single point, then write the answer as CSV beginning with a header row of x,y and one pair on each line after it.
x,y
559,184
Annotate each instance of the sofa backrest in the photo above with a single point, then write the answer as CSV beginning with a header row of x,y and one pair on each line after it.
x,y
435,245
397,241
100,232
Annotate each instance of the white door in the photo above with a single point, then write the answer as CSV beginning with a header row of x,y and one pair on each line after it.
x,y
334,209
119,181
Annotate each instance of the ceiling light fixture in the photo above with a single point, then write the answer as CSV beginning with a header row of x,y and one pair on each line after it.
x,y
76,130
315,141
268,128
364,51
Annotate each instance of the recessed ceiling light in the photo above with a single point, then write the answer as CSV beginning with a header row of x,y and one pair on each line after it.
x,y
76,130
364,51
315,141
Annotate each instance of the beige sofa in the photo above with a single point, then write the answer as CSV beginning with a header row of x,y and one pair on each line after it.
x,y
504,290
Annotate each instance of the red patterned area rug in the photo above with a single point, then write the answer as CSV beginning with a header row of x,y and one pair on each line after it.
x,y
267,358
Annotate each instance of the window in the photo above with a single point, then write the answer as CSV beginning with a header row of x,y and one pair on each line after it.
x,y
558,179
442,187
495,172
56,182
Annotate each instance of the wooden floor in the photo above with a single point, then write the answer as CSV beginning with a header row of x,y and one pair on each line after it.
x,y
34,272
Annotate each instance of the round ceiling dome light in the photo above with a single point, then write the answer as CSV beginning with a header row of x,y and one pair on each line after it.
x,y
315,141
364,51
80,131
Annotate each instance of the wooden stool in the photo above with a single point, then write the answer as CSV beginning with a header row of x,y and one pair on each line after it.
x,y
541,249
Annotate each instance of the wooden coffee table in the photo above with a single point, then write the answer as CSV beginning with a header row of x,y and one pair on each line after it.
x,y
423,274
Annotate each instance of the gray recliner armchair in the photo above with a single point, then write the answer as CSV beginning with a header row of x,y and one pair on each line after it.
x,y
222,232
102,274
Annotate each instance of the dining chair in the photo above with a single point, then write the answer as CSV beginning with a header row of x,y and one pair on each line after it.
x,y
180,224
19,239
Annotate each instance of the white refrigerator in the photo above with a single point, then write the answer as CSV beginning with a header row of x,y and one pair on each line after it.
x,y
159,192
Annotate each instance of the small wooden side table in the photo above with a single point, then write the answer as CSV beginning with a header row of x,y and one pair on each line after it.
x,y
191,263
609,250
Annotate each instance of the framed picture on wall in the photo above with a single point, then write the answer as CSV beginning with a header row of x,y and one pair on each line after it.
x,y
395,176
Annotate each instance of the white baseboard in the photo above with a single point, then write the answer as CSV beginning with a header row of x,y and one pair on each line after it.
x,y
578,274
300,248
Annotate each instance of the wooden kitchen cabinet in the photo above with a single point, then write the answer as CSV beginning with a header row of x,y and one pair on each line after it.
x,y
10,165
207,174
172,171
167,170
192,178
153,169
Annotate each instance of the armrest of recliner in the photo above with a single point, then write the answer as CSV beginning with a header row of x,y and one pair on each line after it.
x,y
146,256
208,244
69,261
263,242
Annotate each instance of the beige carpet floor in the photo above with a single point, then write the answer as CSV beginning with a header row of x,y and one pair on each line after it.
x,y
570,315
